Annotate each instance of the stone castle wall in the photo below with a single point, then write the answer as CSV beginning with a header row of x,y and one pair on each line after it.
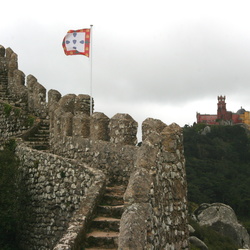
x,y
32,96
87,151
57,189
13,121
156,212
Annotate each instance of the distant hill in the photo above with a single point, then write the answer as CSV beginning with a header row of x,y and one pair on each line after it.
x,y
218,166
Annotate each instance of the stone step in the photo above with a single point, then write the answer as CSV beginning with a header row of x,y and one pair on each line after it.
x,y
116,190
99,248
38,138
101,239
41,147
42,134
111,211
114,200
45,123
37,145
105,226
43,131
106,223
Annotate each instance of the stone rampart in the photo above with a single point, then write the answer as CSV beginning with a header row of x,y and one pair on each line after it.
x,y
69,118
31,96
58,188
13,121
156,212
104,143
116,161
85,152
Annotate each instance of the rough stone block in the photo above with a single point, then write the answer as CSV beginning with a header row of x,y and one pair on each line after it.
x,y
123,129
99,127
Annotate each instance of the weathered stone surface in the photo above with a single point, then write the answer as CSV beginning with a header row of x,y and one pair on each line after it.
x,y
81,125
82,105
54,96
12,65
56,201
19,78
67,103
162,176
66,123
206,130
152,125
13,122
222,218
171,139
36,97
99,127
2,51
134,217
147,153
123,129
8,53
139,187
191,229
198,243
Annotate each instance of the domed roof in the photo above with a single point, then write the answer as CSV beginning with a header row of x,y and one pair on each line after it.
x,y
241,111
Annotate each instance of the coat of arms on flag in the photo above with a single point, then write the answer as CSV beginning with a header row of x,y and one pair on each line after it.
x,y
76,42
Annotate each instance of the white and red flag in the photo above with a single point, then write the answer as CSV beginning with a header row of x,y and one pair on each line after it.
x,y
77,42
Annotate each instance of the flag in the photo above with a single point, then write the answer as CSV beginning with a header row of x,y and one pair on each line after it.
x,y
76,42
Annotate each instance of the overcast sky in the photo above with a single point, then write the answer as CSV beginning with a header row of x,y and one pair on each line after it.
x,y
161,59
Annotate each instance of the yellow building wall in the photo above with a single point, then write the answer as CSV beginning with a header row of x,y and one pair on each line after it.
x,y
245,117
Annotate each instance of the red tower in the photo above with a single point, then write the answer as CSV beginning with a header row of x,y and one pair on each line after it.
x,y
221,110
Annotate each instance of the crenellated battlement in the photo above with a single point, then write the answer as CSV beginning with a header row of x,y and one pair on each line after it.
x,y
87,152
15,89
70,116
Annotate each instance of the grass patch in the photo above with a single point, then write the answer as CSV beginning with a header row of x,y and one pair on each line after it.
x,y
7,109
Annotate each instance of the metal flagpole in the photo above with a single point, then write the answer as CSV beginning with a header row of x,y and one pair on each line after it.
x,y
91,53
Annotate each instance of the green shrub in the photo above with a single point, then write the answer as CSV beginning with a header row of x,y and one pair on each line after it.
x,y
17,111
12,199
246,223
11,145
29,121
7,109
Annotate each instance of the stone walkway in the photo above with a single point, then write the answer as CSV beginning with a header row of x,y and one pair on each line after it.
x,y
104,230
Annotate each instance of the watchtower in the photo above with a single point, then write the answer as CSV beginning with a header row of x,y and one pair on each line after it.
x,y
221,110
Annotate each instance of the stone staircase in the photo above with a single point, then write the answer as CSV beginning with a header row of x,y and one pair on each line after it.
x,y
104,230
6,97
40,139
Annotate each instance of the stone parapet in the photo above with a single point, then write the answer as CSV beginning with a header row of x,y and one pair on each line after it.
x,y
70,119
89,150
115,160
58,189
99,127
151,125
13,90
156,195
123,129
36,97
81,125
13,121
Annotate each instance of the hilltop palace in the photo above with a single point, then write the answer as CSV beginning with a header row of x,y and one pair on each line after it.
x,y
223,116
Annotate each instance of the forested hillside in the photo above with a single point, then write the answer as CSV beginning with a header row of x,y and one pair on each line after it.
x,y
218,166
